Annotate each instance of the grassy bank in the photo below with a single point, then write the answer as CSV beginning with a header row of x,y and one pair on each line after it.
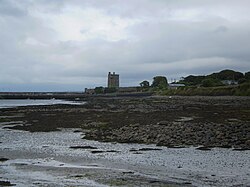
x,y
235,90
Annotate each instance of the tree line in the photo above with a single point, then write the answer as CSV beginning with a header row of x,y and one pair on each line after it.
x,y
216,79
224,77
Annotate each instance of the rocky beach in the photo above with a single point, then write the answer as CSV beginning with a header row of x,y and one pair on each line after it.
x,y
167,121
121,141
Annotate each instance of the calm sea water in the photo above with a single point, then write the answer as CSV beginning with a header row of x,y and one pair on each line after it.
x,y
10,103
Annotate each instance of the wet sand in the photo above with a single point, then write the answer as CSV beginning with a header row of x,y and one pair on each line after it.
x,y
46,159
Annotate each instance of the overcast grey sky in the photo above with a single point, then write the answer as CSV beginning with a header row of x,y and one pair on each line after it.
x,y
67,45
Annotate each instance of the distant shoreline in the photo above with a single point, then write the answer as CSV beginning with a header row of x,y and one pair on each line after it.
x,y
66,95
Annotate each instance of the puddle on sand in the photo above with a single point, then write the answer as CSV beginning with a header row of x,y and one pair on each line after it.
x,y
31,177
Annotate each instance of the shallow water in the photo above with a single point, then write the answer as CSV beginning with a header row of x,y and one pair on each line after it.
x,y
45,158
10,103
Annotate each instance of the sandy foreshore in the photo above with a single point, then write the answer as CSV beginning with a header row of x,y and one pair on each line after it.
x,y
42,142
62,158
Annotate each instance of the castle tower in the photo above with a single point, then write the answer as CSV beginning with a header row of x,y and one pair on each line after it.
x,y
113,80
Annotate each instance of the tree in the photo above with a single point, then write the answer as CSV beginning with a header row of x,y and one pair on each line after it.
x,y
99,90
247,75
242,80
160,82
144,84
210,82
193,80
227,75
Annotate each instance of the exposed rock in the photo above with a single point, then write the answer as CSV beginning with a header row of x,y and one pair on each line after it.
x,y
128,172
247,143
145,149
82,147
175,122
241,149
96,152
3,159
77,131
149,149
112,151
204,148
6,183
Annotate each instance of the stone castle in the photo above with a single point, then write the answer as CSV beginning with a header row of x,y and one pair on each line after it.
x,y
113,80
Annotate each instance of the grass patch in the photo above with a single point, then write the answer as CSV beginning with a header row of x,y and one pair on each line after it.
x,y
239,90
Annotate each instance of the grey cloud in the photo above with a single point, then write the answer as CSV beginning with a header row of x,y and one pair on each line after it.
x,y
12,8
31,53
221,29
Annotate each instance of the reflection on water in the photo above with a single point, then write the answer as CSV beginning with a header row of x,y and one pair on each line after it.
x,y
9,103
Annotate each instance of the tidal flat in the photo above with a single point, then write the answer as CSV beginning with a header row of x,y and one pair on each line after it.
x,y
149,141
